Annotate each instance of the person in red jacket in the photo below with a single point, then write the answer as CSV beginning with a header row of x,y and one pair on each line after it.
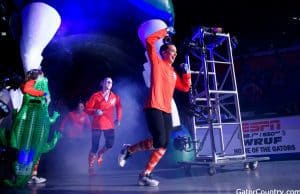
x,y
158,105
76,123
101,106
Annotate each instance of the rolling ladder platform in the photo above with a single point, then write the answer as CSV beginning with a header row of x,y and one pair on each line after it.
x,y
218,134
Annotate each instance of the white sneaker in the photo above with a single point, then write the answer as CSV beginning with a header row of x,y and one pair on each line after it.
x,y
36,180
147,180
124,155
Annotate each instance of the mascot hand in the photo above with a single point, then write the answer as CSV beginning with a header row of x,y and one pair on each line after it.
x,y
57,134
55,115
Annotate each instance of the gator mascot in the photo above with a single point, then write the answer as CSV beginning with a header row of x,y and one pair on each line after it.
x,y
30,129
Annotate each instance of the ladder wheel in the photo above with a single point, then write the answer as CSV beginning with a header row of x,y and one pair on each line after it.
x,y
253,165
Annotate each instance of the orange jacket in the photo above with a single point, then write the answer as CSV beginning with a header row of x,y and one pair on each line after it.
x,y
28,88
163,77
97,101
75,124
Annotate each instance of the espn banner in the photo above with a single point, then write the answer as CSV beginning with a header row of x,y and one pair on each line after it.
x,y
271,136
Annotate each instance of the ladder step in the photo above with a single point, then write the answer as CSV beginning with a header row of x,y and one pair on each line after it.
x,y
197,72
223,91
221,62
216,125
204,99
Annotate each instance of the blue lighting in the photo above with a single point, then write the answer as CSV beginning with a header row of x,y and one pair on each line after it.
x,y
25,156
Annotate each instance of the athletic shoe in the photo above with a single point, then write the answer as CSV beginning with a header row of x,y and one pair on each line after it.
x,y
124,155
36,180
147,180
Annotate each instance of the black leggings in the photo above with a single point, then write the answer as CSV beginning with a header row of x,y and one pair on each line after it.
x,y
160,126
109,136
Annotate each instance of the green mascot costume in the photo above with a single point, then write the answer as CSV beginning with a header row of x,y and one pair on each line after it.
x,y
30,130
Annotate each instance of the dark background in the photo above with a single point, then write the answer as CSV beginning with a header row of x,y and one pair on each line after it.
x,y
99,38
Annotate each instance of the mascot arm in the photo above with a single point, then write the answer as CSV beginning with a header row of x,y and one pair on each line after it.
x,y
49,146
